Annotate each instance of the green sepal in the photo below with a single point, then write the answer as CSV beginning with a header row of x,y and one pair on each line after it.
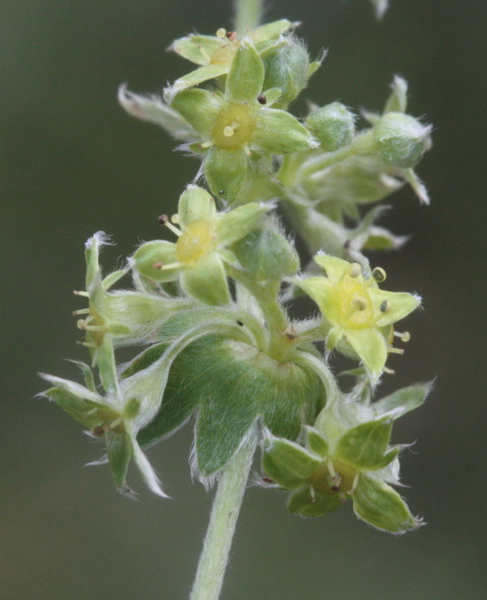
x,y
401,140
246,76
154,110
267,254
303,502
197,48
196,77
79,409
403,401
119,452
316,442
206,280
200,108
378,504
279,132
158,253
225,172
364,446
287,463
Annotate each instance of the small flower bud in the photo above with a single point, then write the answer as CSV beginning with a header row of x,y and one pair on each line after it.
x,y
401,140
333,125
287,68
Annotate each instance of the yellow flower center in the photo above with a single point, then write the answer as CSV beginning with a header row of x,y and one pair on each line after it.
x,y
234,126
354,304
196,241
327,483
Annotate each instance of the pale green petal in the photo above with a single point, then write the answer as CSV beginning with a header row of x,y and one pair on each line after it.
x,y
334,267
195,204
322,291
270,31
198,48
196,77
246,76
200,108
370,346
399,305
206,280
279,132
237,223
225,172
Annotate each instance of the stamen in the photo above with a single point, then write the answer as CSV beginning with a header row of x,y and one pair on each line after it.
x,y
207,144
93,328
115,423
228,131
231,35
389,371
247,150
160,266
355,270
81,311
164,220
393,350
331,469
221,33
385,306
379,274
98,431
312,493
405,336
87,344
78,293
175,219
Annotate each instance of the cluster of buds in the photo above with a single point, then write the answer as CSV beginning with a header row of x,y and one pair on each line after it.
x,y
208,312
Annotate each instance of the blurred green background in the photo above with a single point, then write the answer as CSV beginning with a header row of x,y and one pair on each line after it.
x,y
73,163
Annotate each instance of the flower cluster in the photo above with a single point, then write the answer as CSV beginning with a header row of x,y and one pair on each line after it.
x,y
209,310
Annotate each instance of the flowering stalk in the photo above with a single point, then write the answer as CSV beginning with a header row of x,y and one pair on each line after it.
x,y
209,309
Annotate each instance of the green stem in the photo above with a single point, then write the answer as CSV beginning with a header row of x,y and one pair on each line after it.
x,y
224,514
247,15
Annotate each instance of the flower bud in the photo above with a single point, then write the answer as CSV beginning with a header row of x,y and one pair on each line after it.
x,y
401,140
287,68
333,125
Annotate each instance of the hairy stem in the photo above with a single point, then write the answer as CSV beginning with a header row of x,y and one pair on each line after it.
x,y
247,15
224,514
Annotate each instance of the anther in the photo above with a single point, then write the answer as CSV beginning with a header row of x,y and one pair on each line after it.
x,y
98,431
261,99
335,488
231,35
355,270
162,219
207,144
405,336
228,131
379,274
175,219
221,33
159,265
385,306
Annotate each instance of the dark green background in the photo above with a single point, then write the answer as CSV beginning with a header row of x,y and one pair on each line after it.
x,y
73,163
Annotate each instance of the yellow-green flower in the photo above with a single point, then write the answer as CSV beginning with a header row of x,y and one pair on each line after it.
x,y
357,311
197,257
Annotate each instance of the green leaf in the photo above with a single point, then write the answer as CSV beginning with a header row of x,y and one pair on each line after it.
x,y
303,503
378,504
364,446
246,76
316,442
287,463
403,401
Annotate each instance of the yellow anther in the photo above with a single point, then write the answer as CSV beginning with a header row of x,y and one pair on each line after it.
x,y
228,131
379,274
405,336
221,33
175,219
355,270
